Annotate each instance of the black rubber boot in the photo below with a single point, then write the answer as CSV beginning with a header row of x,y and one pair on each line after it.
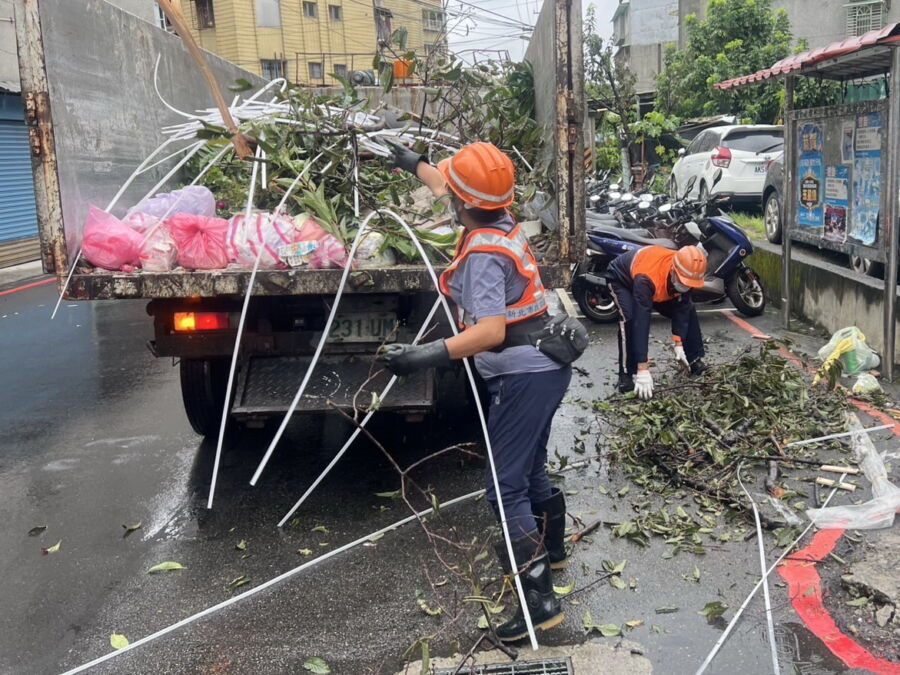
x,y
625,383
698,367
553,512
537,582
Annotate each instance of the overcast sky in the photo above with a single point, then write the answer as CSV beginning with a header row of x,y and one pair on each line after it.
x,y
497,24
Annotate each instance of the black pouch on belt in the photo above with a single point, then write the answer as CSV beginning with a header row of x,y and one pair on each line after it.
x,y
560,337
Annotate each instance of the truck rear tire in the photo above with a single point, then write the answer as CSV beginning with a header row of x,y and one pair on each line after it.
x,y
203,392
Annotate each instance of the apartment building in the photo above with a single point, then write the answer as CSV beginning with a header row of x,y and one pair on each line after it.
x,y
309,40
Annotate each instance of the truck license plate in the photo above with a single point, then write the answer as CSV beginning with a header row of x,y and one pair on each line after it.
x,y
362,327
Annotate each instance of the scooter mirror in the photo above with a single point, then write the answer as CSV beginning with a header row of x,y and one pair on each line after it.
x,y
643,205
647,197
614,186
694,229
627,197
665,208
594,199
615,195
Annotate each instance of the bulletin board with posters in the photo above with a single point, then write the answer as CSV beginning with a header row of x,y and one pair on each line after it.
x,y
838,178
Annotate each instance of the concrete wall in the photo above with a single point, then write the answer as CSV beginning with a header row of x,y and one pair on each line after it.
x,y
830,296
645,29
9,64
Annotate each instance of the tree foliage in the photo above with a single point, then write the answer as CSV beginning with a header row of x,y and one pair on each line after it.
x,y
738,37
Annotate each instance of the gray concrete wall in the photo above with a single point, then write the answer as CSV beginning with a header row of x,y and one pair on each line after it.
x,y
830,296
9,64
651,25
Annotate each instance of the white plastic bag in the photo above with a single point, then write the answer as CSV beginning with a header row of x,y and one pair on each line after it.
x,y
195,200
849,346
866,384
371,252
159,252
876,513
265,231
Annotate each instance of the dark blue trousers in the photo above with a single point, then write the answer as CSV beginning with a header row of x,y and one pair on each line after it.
x,y
521,414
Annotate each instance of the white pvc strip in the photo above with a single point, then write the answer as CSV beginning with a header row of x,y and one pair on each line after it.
x,y
265,585
362,424
839,435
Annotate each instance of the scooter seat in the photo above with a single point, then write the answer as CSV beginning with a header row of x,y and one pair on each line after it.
x,y
638,236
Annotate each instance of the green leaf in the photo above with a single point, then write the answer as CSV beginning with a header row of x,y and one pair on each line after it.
x,y
634,624
713,610
609,630
241,84
131,528
118,641
395,494
237,582
564,590
305,551
376,537
617,582
166,567
320,528
859,602
619,568
52,549
667,610
241,545
317,666
624,491
423,605
483,622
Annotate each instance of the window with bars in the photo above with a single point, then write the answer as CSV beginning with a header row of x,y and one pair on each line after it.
x,y
340,69
433,20
272,69
162,20
864,16
310,10
316,70
206,16
335,13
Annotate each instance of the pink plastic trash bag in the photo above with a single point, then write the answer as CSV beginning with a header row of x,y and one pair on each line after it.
x,y
262,234
194,199
329,252
141,222
200,241
108,242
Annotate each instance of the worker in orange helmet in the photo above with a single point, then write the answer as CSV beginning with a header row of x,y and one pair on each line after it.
x,y
494,282
657,278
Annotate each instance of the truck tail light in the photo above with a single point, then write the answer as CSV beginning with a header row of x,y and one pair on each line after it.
x,y
769,164
722,157
187,322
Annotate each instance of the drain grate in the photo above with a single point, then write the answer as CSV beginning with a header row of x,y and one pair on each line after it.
x,y
543,667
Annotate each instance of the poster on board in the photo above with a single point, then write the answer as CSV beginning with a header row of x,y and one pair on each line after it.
x,y
847,133
811,177
866,179
837,203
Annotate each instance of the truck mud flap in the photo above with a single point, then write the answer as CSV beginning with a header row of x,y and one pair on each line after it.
x,y
267,385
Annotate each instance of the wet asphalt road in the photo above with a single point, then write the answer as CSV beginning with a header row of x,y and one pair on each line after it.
x,y
93,437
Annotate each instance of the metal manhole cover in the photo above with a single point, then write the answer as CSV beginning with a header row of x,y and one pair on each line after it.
x,y
543,667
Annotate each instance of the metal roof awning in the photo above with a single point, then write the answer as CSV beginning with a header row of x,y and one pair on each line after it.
x,y
854,58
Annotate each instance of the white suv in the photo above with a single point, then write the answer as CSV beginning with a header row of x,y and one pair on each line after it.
x,y
742,152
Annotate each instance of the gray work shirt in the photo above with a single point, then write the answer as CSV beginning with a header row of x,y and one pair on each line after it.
x,y
484,285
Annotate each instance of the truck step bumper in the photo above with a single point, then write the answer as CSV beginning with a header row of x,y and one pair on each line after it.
x,y
267,385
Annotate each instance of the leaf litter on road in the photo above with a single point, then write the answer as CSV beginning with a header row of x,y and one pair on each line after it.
x,y
168,566
118,641
52,549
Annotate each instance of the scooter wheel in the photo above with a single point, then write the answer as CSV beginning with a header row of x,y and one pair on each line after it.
x,y
596,303
746,292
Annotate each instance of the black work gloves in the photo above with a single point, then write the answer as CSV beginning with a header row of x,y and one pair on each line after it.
x,y
404,158
408,359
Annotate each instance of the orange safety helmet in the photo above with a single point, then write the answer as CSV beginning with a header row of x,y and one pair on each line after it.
x,y
689,264
481,175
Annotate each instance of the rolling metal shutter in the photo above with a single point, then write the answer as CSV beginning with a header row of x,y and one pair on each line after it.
x,y
18,216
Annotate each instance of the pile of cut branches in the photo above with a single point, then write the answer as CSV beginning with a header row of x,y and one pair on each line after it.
x,y
696,432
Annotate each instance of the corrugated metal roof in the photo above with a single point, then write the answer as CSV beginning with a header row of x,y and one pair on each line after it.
x,y
818,59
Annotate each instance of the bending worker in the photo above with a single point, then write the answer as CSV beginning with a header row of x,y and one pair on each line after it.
x,y
657,278
494,281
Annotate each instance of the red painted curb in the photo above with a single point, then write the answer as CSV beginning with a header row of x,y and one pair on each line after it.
x,y
43,282
804,583
805,592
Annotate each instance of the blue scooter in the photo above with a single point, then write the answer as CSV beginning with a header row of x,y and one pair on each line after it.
x,y
684,223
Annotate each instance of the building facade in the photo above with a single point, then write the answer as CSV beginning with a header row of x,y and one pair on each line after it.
x,y
643,29
308,41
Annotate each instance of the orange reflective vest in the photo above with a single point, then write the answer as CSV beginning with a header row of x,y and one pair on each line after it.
x,y
655,262
514,246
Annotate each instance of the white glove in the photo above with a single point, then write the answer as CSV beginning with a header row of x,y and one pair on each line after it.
x,y
643,384
680,357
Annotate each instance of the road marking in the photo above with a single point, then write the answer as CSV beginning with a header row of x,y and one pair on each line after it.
x,y
35,284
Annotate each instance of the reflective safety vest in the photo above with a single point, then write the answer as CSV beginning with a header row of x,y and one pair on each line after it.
x,y
514,246
656,263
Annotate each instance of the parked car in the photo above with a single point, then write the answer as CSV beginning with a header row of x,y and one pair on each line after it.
x,y
773,216
741,151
